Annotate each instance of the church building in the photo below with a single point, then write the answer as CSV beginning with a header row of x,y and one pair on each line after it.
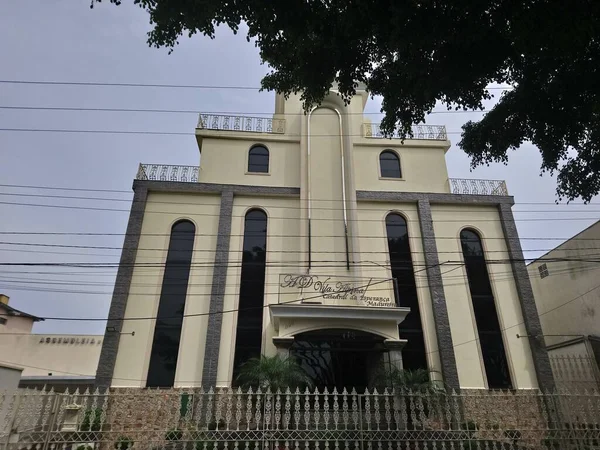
x,y
312,235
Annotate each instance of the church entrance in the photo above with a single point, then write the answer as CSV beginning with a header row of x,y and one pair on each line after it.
x,y
340,358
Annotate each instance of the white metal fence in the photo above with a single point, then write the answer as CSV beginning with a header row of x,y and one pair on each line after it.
x,y
299,420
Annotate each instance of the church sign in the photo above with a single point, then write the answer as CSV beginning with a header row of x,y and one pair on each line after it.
x,y
336,290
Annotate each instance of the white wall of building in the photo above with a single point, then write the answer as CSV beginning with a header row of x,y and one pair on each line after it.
x,y
568,299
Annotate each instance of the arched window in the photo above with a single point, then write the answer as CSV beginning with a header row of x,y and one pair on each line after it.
x,y
413,354
486,316
167,332
248,337
389,164
258,159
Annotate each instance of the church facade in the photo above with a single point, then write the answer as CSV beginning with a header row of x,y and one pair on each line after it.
x,y
312,235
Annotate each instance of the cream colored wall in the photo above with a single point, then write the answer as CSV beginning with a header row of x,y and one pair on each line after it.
x,y
423,167
375,260
568,300
328,244
162,211
283,255
226,161
61,355
448,221
386,329
15,324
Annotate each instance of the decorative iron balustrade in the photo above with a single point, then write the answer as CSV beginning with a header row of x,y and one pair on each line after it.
x,y
432,132
241,123
477,187
293,419
165,172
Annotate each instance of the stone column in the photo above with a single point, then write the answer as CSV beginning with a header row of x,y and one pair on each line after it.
x,y
217,294
438,297
116,313
528,308
283,345
394,347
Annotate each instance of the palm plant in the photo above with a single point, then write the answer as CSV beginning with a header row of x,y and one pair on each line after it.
x,y
416,380
272,372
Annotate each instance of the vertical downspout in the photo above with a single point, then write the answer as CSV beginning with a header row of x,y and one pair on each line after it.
x,y
309,197
344,190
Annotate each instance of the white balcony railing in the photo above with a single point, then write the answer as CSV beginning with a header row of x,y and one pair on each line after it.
x,y
241,123
477,187
432,132
165,172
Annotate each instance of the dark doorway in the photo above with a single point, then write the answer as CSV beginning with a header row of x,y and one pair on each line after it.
x,y
339,358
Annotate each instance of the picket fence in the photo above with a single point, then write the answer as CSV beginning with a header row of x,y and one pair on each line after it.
x,y
230,419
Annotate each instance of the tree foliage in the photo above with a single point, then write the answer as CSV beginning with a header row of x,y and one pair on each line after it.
x,y
419,52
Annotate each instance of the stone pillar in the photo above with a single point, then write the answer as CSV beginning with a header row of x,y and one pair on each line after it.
x,y
438,297
116,313
283,345
529,310
217,294
394,347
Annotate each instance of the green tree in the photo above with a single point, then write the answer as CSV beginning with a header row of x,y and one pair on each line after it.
x,y
418,53
272,372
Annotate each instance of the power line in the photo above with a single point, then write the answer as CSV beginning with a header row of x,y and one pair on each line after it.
x,y
328,219
129,192
74,233
167,133
197,250
292,207
155,85
191,111
429,353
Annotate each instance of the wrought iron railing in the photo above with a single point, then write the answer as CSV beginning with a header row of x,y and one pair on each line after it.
x,y
241,123
432,132
291,419
477,187
165,172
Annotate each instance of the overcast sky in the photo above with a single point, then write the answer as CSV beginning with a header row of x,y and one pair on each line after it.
x,y
63,40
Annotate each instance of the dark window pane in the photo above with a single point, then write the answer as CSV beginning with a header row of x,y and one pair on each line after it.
x,y
171,306
252,289
413,354
258,159
390,165
486,315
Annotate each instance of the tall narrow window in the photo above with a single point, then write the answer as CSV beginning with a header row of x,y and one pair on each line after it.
x,y
486,316
413,354
248,338
390,164
167,333
258,159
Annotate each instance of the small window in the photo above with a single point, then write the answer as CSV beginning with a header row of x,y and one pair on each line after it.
x,y
258,159
543,269
389,164
2,320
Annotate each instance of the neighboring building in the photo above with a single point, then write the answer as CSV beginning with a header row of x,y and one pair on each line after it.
x,y
52,360
567,294
312,235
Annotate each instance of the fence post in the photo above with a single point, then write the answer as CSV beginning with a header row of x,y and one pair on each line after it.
x,y
360,420
15,411
51,421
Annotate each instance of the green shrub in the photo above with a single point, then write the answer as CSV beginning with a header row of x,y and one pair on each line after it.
x,y
124,443
84,447
92,420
